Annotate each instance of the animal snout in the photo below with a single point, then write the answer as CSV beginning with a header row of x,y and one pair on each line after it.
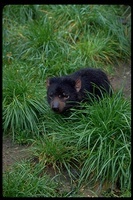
x,y
55,106
56,109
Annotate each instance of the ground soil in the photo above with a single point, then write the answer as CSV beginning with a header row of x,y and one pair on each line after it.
x,y
14,153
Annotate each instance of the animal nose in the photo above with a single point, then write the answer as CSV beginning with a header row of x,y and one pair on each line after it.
x,y
55,106
56,109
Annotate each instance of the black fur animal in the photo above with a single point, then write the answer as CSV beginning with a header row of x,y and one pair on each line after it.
x,y
64,92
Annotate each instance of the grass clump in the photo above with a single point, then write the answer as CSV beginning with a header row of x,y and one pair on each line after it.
x,y
91,142
26,180
40,41
51,34
22,100
88,144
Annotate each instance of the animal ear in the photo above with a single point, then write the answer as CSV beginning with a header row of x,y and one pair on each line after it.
x,y
78,84
47,83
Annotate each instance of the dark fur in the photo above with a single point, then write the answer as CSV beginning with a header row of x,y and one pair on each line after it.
x,y
64,92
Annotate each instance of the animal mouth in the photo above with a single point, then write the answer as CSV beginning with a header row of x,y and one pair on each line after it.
x,y
57,105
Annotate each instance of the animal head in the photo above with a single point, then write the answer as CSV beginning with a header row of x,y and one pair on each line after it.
x,y
62,93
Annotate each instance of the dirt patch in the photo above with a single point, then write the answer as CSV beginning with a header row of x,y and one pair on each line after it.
x,y
14,153
122,79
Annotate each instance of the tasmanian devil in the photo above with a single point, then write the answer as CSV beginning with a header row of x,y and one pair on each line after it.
x,y
66,91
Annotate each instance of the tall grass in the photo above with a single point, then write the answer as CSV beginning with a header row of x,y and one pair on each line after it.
x,y
23,100
54,33
25,180
93,143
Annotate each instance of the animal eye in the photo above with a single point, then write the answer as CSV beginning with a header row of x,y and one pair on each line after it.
x,y
51,96
65,96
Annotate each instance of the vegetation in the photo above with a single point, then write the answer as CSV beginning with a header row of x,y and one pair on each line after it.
x,y
26,181
93,143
